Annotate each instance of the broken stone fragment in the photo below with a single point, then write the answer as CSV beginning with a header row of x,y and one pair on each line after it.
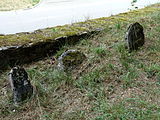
x,y
20,85
70,60
135,37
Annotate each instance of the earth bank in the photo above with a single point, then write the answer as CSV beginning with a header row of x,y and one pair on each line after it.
x,y
111,83
44,42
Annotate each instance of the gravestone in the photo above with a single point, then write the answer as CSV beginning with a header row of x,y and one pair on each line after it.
x,y
70,60
20,85
134,37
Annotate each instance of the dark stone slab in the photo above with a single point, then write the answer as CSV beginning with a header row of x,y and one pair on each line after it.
x,y
20,85
18,55
135,37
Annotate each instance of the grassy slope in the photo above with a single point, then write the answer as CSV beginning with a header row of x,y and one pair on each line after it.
x,y
7,5
111,84
76,28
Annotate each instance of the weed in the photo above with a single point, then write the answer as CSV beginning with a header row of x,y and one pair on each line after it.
x,y
100,51
118,26
111,83
124,56
129,78
152,70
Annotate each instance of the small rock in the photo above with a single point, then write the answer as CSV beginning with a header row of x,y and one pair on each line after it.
x,y
135,36
70,60
20,85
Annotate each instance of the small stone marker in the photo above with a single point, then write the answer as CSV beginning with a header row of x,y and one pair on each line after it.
x,y
20,85
135,36
70,60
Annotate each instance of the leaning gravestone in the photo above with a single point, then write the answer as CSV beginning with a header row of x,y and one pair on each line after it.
x,y
20,85
135,36
70,60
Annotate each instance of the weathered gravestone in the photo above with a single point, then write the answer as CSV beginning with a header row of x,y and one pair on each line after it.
x,y
70,60
135,37
20,85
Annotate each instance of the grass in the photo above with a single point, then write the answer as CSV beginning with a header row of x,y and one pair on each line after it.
x,y
114,22
7,5
111,84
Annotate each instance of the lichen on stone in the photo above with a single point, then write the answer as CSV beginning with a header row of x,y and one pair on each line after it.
x,y
70,60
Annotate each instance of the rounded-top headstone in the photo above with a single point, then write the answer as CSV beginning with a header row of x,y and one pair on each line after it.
x,y
20,85
135,36
70,60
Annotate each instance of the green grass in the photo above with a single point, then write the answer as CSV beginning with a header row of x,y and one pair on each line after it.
x,y
114,22
111,84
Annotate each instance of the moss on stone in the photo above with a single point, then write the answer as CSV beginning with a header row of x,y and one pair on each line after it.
x,y
75,28
70,60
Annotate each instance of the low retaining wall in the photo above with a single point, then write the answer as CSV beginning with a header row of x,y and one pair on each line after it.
x,y
18,55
